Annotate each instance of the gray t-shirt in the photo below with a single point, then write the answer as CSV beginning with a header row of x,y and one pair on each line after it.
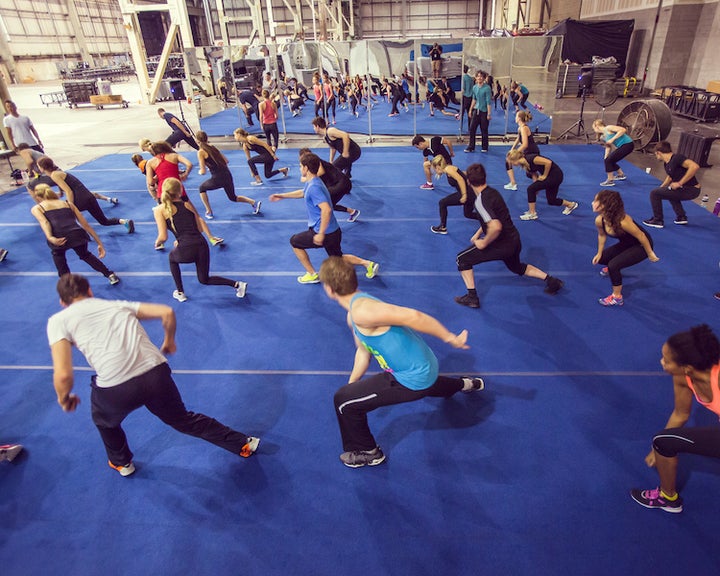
x,y
20,127
110,337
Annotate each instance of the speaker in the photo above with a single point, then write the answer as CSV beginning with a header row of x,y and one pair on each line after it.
x,y
177,89
585,79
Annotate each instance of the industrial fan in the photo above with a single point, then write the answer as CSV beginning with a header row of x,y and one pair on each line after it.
x,y
646,121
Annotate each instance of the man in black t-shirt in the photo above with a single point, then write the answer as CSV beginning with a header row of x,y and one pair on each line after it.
x,y
496,239
679,184
179,130
438,145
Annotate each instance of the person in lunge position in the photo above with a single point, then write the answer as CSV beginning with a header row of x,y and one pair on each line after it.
x,y
410,368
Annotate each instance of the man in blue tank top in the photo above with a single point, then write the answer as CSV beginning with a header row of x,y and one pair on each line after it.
x,y
410,369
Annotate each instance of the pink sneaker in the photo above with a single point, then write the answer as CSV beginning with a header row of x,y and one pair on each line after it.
x,y
611,300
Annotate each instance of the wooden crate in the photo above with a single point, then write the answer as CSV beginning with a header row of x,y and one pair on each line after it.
x,y
106,99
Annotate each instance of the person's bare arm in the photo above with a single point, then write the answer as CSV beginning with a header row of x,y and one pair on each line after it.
x,y
59,178
63,378
148,311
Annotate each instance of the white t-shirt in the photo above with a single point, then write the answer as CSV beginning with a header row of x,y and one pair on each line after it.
x,y
110,337
20,127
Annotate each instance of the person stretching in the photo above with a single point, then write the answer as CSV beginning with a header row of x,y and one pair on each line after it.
x,y
190,247
617,146
458,180
634,244
339,142
264,155
524,143
337,183
692,358
437,145
546,175
210,157
77,193
496,239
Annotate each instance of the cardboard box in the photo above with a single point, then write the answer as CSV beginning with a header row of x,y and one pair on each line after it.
x,y
714,86
106,99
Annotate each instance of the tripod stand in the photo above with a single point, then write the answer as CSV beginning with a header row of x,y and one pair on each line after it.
x,y
579,124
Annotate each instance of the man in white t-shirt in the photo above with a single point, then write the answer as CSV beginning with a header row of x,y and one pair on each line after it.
x,y
130,370
20,128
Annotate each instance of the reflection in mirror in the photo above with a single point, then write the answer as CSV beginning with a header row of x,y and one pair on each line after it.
x,y
535,64
212,85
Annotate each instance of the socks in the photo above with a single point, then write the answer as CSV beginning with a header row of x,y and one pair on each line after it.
x,y
669,498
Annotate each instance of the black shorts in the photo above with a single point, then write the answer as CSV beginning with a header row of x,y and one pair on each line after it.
x,y
304,241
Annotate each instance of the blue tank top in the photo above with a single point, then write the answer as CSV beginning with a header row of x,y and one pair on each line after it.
x,y
621,141
401,352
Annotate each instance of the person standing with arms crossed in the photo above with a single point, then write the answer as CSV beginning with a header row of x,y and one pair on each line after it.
x,y
130,371
480,113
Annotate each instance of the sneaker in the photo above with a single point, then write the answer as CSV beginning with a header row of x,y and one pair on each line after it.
x,y
240,289
468,300
124,470
529,216
250,447
553,285
354,215
611,300
9,451
179,296
372,270
160,246
427,186
3,254
256,207
286,170
209,216
308,278
717,295
468,150
113,279
653,223
359,458
475,385
653,499
438,229
215,240
484,151
256,183
510,186
569,209
114,201
457,116
604,271
681,220
607,183
621,177
130,225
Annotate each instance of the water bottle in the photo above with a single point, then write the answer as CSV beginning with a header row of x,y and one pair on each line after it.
x,y
704,201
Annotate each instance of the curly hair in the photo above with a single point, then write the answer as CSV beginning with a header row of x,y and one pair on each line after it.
x,y
697,347
612,208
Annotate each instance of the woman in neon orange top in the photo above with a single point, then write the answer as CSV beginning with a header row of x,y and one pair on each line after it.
x,y
692,358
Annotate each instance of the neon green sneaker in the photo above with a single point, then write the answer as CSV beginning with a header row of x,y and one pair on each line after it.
x,y
372,270
308,278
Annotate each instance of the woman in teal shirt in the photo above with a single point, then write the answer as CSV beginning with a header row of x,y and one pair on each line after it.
x,y
617,145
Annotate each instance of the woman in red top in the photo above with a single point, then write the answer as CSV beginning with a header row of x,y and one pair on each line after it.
x,y
268,114
692,358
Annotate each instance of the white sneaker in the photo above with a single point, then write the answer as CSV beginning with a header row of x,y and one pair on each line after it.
x,y
256,207
510,186
240,289
256,183
569,209
179,296
529,216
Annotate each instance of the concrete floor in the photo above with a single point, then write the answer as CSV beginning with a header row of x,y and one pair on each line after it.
x,y
75,136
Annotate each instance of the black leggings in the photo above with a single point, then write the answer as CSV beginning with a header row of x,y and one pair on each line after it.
x,y
520,99
616,155
342,187
702,441
345,164
354,401
450,200
271,134
91,205
224,181
81,249
331,106
199,254
508,252
267,160
622,255
551,185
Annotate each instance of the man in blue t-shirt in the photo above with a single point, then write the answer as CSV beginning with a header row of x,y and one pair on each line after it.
x,y
410,368
323,229
480,112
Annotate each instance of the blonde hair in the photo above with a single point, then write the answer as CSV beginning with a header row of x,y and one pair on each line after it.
x,y
598,124
517,157
171,192
241,132
524,116
439,163
44,192
145,144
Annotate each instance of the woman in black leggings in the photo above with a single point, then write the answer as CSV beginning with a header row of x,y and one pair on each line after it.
x,y
265,156
78,194
66,229
210,157
458,180
546,175
692,358
634,244
190,245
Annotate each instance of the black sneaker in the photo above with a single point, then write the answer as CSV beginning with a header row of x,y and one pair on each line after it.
x,y
468,300
130,226
682,220
3,254
653,223
653,499
475,383
553,285
359,458
438,229
113,279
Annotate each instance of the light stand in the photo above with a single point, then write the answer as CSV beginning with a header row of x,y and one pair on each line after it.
x,y
580,123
